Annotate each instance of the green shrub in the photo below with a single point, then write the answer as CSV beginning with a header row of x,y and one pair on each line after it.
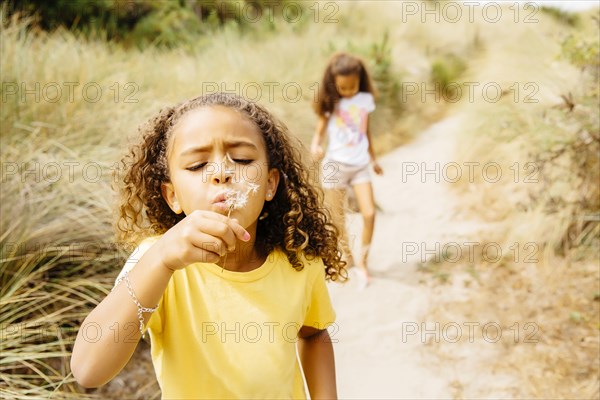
x,y
387,83
446,70
112,18
166,23
168,27
565,17
582,53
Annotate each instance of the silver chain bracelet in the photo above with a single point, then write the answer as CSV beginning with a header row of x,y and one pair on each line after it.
x,y
140,309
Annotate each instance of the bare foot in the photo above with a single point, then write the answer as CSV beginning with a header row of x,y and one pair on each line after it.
x,y
349,260
363,264
363,277
364,271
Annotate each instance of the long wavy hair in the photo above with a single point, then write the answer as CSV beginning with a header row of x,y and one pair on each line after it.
x,y
296,221
341,64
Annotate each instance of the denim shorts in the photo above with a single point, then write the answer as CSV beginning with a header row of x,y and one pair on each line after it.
x,y
336,175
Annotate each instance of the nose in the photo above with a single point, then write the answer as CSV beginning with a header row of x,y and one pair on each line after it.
x,y
222,178
224,172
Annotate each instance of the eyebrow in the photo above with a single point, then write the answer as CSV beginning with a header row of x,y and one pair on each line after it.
x,y
228,145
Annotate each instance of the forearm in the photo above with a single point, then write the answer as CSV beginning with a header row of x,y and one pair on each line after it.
x,y
316,355
371,152
319,132
110,333
370,140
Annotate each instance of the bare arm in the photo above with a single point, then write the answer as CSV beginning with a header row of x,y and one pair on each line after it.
x,y
316,354
378,170
110,333
315,147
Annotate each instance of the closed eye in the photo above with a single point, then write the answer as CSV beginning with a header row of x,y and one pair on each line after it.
x,y
196,167
202,165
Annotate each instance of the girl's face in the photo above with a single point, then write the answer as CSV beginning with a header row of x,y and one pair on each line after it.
x,y
347,85
214,150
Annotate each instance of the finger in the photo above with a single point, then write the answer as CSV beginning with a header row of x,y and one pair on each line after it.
x,y
220,226
219,230
202,251
206,256
234,225
210,245
239,230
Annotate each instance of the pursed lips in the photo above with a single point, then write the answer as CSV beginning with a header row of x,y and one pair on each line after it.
x,y
220,197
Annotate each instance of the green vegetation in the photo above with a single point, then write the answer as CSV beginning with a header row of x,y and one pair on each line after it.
x,y
388,84
160,23
446,72
565,17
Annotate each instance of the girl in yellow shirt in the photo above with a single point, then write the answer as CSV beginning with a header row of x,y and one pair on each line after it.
x,y
230,278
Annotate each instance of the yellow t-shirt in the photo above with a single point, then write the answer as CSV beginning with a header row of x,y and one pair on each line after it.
x,y
223,334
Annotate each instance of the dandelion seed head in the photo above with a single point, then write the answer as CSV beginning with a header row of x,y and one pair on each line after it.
x,y
253,187
236,199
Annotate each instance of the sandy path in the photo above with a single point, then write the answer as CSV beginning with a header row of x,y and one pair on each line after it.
x,y
376,357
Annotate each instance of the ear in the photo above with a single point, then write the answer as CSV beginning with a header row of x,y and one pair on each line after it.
x,y
272,183
168,193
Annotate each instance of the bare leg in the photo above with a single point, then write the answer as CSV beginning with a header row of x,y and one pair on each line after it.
x,y
366,205
335,200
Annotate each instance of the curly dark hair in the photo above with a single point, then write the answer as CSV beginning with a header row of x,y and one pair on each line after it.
x,y
297,223
341,64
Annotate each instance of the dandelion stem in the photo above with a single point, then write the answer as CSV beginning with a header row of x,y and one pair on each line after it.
x,y
226,254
